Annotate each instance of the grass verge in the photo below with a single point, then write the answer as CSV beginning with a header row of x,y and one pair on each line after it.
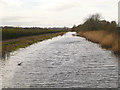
x,y
14,44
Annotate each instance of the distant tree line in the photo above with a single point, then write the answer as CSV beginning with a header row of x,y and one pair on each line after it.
x,y
94,22
35,28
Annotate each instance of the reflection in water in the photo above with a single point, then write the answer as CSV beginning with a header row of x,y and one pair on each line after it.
x,y
64,61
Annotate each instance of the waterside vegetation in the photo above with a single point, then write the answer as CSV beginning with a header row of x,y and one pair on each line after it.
x,y
15,38
106,33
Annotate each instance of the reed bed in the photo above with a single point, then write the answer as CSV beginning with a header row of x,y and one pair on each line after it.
x,y
105,39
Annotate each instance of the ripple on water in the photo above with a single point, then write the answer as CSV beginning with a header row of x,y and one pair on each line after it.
x,y
66,61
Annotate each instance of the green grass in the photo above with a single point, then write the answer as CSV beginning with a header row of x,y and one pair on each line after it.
x,y
15,38
14,33
14,44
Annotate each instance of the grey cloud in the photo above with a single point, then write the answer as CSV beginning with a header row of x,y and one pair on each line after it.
x,y
11,18
54,12
3,2
61,6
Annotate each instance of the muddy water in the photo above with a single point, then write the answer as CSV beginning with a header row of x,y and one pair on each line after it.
x,y
64,61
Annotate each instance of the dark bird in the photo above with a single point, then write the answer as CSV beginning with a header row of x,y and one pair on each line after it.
x,y
20,63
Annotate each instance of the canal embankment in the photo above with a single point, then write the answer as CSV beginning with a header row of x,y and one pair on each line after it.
x,y
15,38
106,40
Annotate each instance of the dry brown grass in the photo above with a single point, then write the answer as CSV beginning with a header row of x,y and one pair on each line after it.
x,y
94,36
105,39
116,46
108,40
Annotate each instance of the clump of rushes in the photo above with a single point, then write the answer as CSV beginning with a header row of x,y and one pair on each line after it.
x,y
14,44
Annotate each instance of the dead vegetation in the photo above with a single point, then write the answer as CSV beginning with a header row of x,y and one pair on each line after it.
x,y
105,39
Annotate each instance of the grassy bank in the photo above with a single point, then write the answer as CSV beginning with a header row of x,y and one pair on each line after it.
x,y
14,44
14,32
14,38
108,40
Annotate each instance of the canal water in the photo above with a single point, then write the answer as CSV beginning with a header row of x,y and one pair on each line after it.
x,y
62,62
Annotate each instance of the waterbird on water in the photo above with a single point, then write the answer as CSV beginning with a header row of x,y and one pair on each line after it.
x,y
20,63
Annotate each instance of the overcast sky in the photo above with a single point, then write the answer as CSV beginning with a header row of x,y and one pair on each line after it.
x,y
49,13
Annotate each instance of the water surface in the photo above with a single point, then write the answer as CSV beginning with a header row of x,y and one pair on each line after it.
x,y
61,62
